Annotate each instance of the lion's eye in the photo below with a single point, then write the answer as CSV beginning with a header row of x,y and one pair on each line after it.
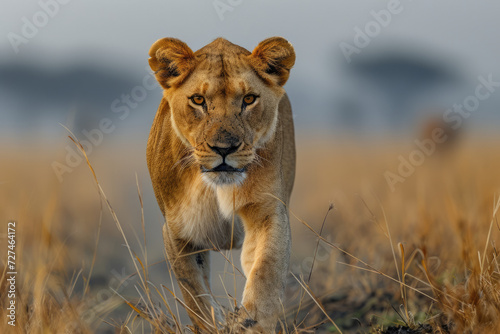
x,y
198,100
249,99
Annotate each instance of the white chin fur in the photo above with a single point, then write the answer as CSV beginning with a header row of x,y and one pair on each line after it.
x,y
223,178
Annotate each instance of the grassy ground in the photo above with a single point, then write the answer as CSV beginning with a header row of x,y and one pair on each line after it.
x,y
422,257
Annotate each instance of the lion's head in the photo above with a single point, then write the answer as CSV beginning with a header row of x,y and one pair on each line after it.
x,y
223,100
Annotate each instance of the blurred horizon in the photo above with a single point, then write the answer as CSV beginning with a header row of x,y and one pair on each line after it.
x,y
416,65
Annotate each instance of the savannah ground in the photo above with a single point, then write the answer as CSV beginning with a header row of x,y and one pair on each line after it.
x,y
89,255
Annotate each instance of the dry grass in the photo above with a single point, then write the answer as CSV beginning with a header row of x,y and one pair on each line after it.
x,y
422,257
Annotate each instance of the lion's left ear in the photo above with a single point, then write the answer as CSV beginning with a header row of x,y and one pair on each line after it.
x,y
273,58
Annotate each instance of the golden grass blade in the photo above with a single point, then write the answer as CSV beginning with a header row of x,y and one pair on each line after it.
x,y
317,302
495,211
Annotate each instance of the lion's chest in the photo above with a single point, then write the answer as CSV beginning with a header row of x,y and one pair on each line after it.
x,y
203,216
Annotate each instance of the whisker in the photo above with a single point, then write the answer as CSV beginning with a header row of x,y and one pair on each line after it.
x,y
190,161
258,160
261,157
187,156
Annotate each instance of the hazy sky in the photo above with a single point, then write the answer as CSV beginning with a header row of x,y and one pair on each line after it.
x,y
466,29
119,33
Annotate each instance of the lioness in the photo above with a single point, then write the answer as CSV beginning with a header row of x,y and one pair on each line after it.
x,y
222,150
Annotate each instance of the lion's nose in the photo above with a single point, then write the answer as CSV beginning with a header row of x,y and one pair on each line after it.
x,y
225,151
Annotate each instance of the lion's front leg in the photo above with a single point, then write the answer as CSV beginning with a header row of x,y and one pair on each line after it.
x,y
265,260
192,271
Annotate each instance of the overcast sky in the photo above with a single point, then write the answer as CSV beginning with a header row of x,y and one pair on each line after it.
x,y
119,33
467,29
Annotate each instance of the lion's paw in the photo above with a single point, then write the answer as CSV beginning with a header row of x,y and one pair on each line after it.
x,y
240,322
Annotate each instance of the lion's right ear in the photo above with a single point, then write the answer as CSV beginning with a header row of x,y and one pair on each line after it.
x,y
171,60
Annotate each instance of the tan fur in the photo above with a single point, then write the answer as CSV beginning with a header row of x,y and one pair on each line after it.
x,y
198,203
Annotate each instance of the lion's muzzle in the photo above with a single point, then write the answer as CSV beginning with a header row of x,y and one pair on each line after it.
x,y
226,169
